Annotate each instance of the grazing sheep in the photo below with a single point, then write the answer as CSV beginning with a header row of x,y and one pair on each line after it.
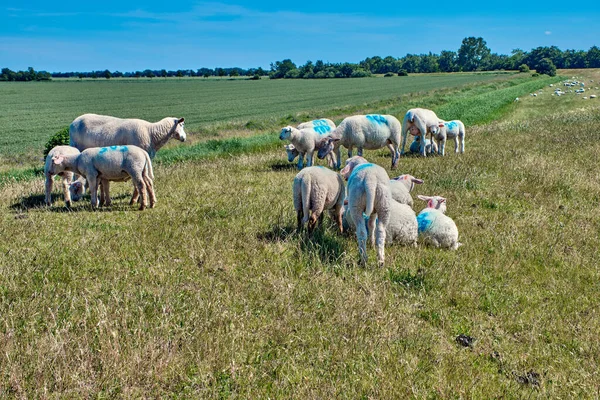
x,y
305,141
317,189
92,130
77,188
454,129
321,126
66,176
417,121
436,228
415,146
292,153
369,194
114,163
372,131
401,186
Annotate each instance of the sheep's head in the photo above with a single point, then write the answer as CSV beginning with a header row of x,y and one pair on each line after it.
x,y
292,153
57,165
286,133
326,146
76,189
178,132
409,181
351,163
437,202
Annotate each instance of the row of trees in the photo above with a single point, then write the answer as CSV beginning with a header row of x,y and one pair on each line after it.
x,y
163,73
23,76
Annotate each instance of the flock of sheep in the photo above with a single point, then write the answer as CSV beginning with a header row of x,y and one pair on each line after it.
x,y
104,149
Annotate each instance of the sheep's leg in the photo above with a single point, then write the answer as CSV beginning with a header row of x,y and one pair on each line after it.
x,y
371,228
338,157
462,144
442,147
337,214
315,217
394,157
361,233
380,235
138,181
300,160
349,151
105,193
49,182
150,189
309,159
93,185
299,217
456,140
135,196
360,151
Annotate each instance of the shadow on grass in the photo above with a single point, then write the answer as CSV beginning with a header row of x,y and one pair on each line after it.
x,y
283,166
38,201
277,234
323,245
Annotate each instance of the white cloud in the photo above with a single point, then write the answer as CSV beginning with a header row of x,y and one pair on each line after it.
x,y
548,33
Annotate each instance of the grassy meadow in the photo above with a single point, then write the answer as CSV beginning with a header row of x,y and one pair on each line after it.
x,y
213,294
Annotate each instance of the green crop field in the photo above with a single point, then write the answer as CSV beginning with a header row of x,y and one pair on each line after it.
x,y
214,294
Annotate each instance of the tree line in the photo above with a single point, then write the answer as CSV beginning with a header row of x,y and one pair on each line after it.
x,y
473,55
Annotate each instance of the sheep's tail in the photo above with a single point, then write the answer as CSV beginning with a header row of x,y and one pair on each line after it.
x,y
306,185
370,200
148,168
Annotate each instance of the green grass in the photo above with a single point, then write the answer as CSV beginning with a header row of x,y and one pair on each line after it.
x,y
213,294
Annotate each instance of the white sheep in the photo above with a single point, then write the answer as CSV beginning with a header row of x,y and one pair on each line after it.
x,y
369,194
321,126
415,146
114,163
92,130
66,176
371,132
316,189
292,153
436,228
305,141
401,186
454,129
417,121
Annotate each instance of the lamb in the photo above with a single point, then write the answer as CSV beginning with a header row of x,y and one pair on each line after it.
x,y
430,146
317,189
372,131
436,228
66,176
417,120
401,186
305,141
114,163
454,129
368,193
92,130
292,153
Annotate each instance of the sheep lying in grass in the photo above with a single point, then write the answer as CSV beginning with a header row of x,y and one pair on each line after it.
x,y
92,130
115,163
417,121
430,146
66,176
305,141
454,129
368,193
371,132
317,189
401,186
436,228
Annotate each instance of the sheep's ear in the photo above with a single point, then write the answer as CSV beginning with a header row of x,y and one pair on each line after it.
x,y
441,124
424,198
58,159
417,180
181,120
441,200
430,204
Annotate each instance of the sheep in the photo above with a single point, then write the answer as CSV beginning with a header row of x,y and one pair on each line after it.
x,y
92,130
417,120
454,129
368,193
593,96
316,189
415,146
371,131
436,228
66,176
292,153
401,186
321,126
305,141
114,163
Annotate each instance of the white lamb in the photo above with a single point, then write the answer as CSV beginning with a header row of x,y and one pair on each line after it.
x,y
317,189
371,132
92,130
415,146
417,120
66,176
115,163
401,186
368,193
436,228
454,129
305,141
292,153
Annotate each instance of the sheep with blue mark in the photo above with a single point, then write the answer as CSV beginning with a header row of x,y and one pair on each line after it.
x,y
454,129
401,186
114,163
436,228
305,142
417,121
66,176
369,194
316,189
371,132
318,125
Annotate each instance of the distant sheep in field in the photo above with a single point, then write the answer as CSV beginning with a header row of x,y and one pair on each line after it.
x,y
92,130
66,176
317,189
436,228
449,130
417,121
371,132
305,142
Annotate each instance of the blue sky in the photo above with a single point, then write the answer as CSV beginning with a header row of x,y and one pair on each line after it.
x,y
130,36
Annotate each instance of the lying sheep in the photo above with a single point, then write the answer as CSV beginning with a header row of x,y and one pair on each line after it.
x,y
114,163
436,228
317,189
305,141
415,146
372,131
321,126
454,129
92,130
417,121
401,186
368,193
66,176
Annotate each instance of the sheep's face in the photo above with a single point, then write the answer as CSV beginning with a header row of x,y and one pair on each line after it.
x,y
57,166
413,130
351,163
292,153
286,133
325,147
76,189
178,132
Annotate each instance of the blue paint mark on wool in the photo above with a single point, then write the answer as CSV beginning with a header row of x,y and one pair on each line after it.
x,y
451,125
321,130
320,122
122,149
424,220
357,169
377,119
